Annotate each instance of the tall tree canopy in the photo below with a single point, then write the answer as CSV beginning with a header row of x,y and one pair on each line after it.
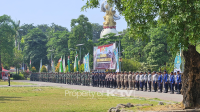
x,y
35,47
182,21
81,33
6,41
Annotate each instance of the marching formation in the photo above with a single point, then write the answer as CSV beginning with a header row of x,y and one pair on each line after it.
x,y
139,81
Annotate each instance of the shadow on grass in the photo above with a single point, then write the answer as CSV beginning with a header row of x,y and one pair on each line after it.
x,y
7,98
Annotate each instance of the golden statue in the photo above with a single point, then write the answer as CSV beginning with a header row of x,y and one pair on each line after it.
x,y
110,15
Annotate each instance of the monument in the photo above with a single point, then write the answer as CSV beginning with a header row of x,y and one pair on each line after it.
x,y
109,26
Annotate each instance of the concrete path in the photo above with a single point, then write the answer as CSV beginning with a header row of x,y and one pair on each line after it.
x,y
163,96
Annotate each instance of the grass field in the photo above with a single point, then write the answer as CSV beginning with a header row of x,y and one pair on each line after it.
x,y
14,83
48,99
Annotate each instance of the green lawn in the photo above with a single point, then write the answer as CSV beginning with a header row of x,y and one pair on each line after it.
x,y
14,83
48,99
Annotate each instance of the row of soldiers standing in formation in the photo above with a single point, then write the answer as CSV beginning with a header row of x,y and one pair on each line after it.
x,y
128,80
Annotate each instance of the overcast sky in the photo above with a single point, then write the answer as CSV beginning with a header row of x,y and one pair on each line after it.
x,y
52,11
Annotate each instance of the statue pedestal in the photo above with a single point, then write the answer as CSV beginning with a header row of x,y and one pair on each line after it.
x,y
107,31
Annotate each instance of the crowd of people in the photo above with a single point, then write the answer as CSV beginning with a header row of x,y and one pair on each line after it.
x,y
139,81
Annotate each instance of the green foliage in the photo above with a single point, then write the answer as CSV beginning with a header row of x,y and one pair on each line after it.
x,y
81,34
156,50
26,74
59,44
71,68
130,65
96,29
6,41
18,77
81,68
33,69
18,59
43,69
35,47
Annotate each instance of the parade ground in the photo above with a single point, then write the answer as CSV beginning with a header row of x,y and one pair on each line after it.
x,y
25,95
162,96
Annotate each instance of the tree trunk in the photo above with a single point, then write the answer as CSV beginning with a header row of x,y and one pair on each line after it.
x,y
15,43
191,78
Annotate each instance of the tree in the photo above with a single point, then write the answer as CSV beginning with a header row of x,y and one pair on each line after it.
x,y
16,27
35,47
59,44
18,59
81,34
181,19
6,41
96,29
157,50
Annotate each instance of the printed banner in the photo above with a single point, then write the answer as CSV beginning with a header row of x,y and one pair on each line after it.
x,y
86,63
117,59
177,63
104,57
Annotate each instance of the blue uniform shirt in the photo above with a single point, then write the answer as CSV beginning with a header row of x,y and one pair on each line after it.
x,y
172,79
179,78
165,77
160,78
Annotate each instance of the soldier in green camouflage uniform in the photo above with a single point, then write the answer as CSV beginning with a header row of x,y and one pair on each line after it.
x,y
86,78
82,78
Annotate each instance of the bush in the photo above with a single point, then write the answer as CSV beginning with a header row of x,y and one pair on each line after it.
x,y
18,77
43,69
26,73
33,69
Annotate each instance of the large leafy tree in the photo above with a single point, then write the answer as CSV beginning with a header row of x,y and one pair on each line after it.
x,y
157,51
6,41
35,47
96,30
81,34
59,44
182,20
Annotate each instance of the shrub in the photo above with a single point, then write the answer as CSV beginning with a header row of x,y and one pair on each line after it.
x,y
33,69
43,69
57,67
18,77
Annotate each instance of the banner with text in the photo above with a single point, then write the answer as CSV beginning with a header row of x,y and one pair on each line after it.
x,y
104,57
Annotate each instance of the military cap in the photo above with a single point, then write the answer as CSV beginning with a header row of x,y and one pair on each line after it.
x,y
165,71
171,72
154,71
160,72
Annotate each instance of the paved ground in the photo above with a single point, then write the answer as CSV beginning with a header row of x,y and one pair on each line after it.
x,y
163,96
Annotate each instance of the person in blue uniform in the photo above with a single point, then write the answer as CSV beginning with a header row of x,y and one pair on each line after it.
x,y
172,81
160,81
103,79
166,81
179,82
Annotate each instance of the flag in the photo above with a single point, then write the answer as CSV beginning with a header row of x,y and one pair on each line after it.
x,y
77,63
68,64
40,65
86,63
61,67
64,64
117,59
53,68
